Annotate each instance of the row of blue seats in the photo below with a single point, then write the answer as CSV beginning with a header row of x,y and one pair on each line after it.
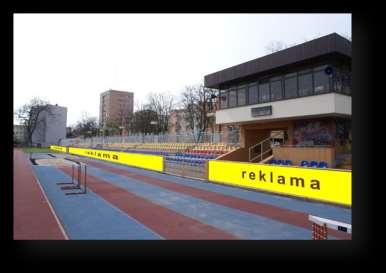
x,y
314,164
280,162
186,160
304,163
204,156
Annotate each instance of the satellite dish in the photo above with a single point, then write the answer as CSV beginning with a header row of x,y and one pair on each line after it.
x,y
328,70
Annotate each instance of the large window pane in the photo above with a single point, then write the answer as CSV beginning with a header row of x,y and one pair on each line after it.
x,y
224,99
232,98
346,89
321,82
290,86
253,94
305,84
341,80
264,92
241,99
276,90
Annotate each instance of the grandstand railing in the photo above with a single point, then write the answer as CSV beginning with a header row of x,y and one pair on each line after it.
x,y
230,137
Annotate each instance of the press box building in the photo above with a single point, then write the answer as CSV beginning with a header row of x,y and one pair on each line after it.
x,y
302,94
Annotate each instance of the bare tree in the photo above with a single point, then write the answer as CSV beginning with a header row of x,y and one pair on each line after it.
x,y
162,104
86,127
142,121
197,104
30,116
112,127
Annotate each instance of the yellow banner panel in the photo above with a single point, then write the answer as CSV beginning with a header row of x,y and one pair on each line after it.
x,y
328,185
58,148
150,162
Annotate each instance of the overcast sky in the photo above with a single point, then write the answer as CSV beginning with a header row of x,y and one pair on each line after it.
x,y
69,59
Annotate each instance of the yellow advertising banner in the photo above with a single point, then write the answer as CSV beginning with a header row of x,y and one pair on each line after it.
x,y
151,162
58,148
328,185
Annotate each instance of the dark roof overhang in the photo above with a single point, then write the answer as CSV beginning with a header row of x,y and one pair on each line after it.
x,y
329,45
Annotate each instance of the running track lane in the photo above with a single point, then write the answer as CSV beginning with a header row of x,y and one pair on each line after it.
x,y
33,218
165,222
280,214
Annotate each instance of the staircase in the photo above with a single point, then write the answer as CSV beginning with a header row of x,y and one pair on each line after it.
x,y
261,151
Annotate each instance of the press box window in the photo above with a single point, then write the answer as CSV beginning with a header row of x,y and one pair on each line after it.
x,y
253,94
241,95
305,84
321,80
276,89
264,92
232,98
291,86
224,99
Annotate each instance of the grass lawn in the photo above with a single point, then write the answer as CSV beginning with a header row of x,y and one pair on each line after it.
x,y
36,150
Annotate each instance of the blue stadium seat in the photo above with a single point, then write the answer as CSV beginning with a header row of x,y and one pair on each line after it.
x,y
272,161
288,162
304,163
323,164
313,164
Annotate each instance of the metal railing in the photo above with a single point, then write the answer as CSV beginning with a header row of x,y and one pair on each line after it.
x,y
262,148
231,137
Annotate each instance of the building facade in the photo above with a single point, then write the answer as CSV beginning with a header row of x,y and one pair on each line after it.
x,y
177,123
304,92
115,106
51,126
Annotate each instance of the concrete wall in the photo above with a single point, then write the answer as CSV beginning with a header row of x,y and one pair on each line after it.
x,y
240,154
51,127
297,154
56,125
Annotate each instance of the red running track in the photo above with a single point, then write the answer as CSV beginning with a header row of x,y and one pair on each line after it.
x,y
276,213
33,218
167,223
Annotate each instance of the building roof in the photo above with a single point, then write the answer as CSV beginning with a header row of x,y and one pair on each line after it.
x,y
117,92
332,44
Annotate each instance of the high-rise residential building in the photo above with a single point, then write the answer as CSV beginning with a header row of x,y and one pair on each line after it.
x,y
51,126
115,106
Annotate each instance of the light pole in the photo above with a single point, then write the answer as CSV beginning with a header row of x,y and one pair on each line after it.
x,y
100,135
121,127
154,122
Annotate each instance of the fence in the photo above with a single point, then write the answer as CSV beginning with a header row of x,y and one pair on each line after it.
x,y
231,137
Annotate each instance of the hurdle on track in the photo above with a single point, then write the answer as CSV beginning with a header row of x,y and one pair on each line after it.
x,y
320,227
76,186
72,178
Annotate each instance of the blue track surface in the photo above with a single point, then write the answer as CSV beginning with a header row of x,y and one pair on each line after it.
x,y
91,217
242,224
87,216
318,209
